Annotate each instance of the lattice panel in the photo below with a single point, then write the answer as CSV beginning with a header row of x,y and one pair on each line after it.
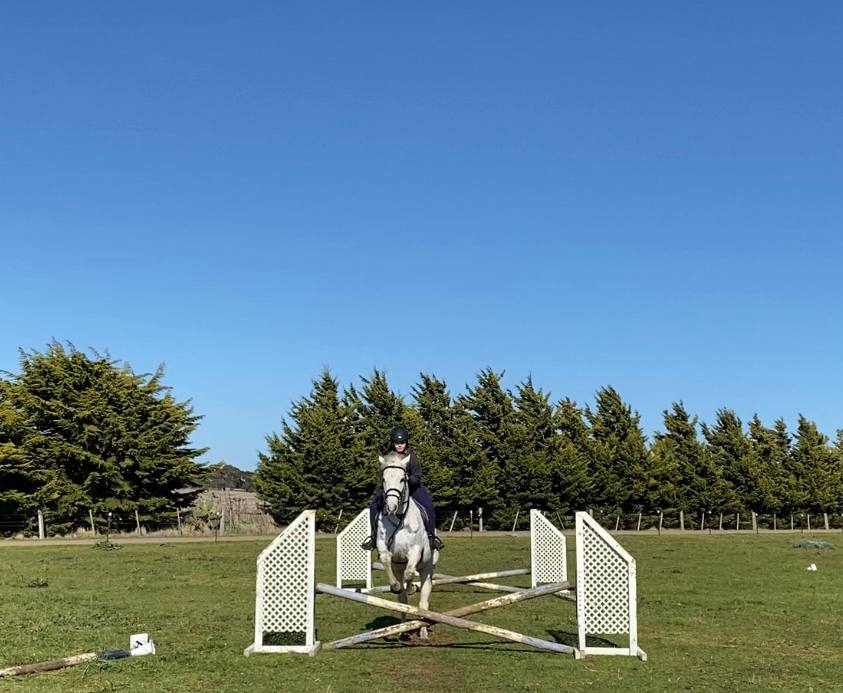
x,y
285,580
548,548
603,582
353,563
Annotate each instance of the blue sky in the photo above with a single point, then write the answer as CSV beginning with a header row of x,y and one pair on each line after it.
x,y
647,196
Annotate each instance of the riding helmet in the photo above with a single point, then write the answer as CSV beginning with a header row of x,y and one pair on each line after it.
x,y
399,434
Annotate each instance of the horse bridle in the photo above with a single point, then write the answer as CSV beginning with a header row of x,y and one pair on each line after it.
x,y
401,495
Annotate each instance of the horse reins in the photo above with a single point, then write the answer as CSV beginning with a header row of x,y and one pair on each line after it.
x,y
399,495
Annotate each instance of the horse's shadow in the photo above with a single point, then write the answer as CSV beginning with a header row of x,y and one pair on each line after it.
x,y
382,622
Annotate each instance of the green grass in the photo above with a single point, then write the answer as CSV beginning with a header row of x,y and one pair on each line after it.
x,y
716,613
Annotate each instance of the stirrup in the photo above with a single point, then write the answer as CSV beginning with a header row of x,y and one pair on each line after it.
x,y
436,542
368,544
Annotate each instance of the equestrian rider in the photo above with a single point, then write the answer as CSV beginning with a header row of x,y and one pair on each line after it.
x,y
399,440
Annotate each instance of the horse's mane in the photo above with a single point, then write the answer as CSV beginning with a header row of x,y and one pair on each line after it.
x,y
393,458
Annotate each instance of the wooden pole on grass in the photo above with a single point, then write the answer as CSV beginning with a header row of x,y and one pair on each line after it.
x,y
148,647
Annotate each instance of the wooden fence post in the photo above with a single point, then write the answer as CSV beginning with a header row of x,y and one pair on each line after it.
x,y
453,520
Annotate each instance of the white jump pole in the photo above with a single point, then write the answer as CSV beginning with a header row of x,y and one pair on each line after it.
x,y
455,621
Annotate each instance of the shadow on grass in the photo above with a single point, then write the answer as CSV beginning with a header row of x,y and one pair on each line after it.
x,y
572,639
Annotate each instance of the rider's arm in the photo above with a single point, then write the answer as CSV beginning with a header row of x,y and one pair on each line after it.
x,y
414,472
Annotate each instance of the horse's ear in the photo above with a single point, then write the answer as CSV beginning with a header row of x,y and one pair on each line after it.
x,y
380,459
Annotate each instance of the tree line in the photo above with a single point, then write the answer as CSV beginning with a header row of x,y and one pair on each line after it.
x,y
82,433
507,451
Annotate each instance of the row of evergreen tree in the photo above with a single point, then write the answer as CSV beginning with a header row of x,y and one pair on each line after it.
x,y
507,451
84,434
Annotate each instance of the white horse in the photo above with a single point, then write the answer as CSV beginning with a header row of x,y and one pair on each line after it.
x,y
402,541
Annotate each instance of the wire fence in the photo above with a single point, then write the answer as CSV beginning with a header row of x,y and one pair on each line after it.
x,y
229,512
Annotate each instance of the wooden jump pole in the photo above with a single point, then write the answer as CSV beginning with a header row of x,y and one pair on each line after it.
x,y
142,646
451,618
474,581
439,579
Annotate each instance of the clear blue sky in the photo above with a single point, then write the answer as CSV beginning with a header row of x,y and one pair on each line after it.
x,y
643,195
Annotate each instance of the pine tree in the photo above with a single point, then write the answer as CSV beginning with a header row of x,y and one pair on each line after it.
x,y
526,481
689,479
433,425
816,468
380,410
570,478
307,466
99,437
733,455
19,479
377,410
618,453
771,449
485,417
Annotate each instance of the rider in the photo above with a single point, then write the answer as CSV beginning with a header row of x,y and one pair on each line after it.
x,y
399,440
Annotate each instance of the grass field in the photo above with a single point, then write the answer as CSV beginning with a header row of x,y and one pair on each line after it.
x,y
716,613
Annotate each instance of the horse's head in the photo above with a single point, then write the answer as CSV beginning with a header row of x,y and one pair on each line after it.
x,y
395,481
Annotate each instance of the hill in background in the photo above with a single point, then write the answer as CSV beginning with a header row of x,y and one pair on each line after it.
x,y
227,476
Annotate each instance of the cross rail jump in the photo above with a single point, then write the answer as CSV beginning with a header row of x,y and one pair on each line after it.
x,y
605,590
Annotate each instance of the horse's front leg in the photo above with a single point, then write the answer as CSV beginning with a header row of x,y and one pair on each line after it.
x,y
386,559
426,579
411,570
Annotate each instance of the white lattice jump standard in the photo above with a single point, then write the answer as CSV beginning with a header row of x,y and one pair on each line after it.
x,y
284,593
605,590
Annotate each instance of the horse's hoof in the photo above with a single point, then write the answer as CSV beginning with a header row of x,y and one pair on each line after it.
x,y
411,588
395,587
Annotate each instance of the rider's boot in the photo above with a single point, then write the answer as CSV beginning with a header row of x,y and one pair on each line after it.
x,y
436,542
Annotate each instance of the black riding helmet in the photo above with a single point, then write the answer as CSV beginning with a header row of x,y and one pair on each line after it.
x,y
399,434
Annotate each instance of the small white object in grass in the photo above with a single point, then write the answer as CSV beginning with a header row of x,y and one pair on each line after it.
x,y
140,644
812,568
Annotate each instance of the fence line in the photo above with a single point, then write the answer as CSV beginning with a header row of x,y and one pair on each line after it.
x,y
228,514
